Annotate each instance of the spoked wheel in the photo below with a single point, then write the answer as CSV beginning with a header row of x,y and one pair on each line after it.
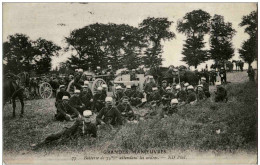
x,y
45,90
97,83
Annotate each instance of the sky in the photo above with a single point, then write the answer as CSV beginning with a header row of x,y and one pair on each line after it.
x,y
44,20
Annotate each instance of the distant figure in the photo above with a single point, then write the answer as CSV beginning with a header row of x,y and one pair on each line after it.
x,y
221,93
251,74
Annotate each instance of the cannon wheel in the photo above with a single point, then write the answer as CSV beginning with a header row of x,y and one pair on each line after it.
x,y
45,90
70,85
97,83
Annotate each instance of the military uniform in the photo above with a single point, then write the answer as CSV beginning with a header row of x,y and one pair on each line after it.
x,y
167,97
182,96
63,109
118,96
191,97
79,128
85,97
98,101
76,102
155,97
126,111
223,76
109,116
206,89
200,95
163,91
136,98
60,95
128,93
148,88
78,82
213,77
221,94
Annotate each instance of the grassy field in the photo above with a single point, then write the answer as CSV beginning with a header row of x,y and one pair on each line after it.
x,y
194,127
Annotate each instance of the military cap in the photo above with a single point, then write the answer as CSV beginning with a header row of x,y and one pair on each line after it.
x,y
99,88
65,98
186,84
190,87
77,91
178,87
86,82
168,88
174,101
128,86
108,99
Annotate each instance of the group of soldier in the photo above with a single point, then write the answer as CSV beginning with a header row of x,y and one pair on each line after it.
x,y
118,109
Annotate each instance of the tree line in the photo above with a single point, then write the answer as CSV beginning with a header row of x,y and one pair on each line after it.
x,y
125,46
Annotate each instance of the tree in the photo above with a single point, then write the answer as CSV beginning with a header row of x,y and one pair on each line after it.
x,y
194,25
248,52
45,50
18,53
192,51
153,31
249,49
221,35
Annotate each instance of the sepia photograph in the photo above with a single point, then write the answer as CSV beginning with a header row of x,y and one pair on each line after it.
x,y
129,83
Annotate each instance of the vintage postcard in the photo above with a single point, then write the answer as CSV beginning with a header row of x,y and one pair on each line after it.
x,y
130,83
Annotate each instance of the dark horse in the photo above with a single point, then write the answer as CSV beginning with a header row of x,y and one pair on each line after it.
x,y
13,90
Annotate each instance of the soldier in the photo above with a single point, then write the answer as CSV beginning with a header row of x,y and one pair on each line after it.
x,y
86,86
167,97
119,94
191,98
76,72
223,75
163,88
65,111
128,91
173,88
155,97
170,109
185,87
76,102
125,109
200,92
86,96
104,89
133,76
182,95
109,114
99,100
251,74
177,90
61,93
98,71
77,79
205,87
136,97
221,93
213,77
81,127
148,86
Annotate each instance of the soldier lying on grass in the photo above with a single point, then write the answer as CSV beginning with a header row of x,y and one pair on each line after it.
x,y
170,108
125,109
81,127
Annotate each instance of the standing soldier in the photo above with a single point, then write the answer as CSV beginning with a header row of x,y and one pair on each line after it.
x,y
99,100
65,111
205,87
119,94
81,127
76,102
213,76
86,96
77,79
221,93
200,92
109,114
191,98
61,93
125,109
136,97
251,74
133,76
223,75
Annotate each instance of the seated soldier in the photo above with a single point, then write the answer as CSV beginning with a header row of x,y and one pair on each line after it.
x,y
148,86
81,127
200,92
136,97
109,114
163,88
170,109
177,90
185,87
155,97
77,79
133,76
86,97
221,93
182,95
125,109
65,111
104,89
119,94
98,71
191,98
86,84
128,92
76,102
205,87
98,100
174,88
60,94
167,97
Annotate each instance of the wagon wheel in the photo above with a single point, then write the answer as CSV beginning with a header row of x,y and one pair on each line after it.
x,y
45,90
97,83
71,87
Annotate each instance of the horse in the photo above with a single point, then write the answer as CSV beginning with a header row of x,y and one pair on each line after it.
x,y
13,90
